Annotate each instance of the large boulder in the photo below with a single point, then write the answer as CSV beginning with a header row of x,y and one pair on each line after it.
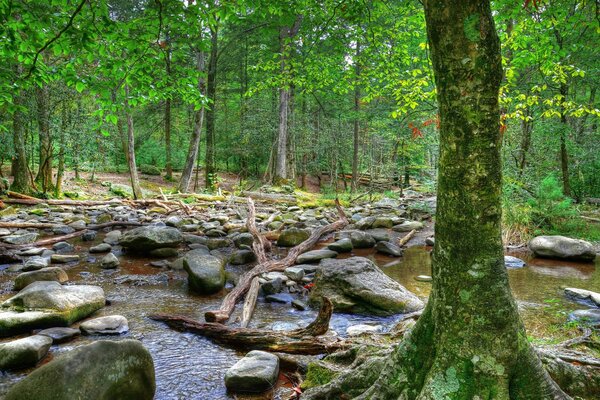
x,y
292,237
562,247
23,353
147,238
45,274
45,304
206,273
583,295
360,240
255,373
103,370
356,285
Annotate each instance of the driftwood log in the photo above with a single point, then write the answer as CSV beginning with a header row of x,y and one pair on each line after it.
x,y
298,341
227,306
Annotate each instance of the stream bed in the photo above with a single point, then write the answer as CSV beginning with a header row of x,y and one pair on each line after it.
x,y
191,367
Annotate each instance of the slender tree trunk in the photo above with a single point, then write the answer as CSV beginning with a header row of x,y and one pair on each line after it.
x,y
211,91
133,174
22,180
281,161
192,156
168,164
564,156
469,342
61,151
355,138
526,129
44,174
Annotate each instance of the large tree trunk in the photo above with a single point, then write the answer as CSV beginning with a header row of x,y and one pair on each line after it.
x,y
186,175
211,91
168,164
356,119
470,342
44,175
281,161
564,156
135,182
22,180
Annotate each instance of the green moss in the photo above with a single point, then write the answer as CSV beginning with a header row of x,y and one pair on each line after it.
x,y
318,375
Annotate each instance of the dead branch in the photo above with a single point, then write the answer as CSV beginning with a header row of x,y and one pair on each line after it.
x,y
406,238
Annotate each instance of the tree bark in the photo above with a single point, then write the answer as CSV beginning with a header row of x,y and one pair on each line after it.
x,y
44,174
564,156
22,179
355,137
211,92
470,342
186,175
135,182
168,163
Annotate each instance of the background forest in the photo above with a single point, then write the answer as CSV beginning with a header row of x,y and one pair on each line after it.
x,y
289,92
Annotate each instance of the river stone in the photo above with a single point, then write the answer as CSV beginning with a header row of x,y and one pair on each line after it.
x,y
109,261
217,243
356,330
35,263
423,278
408,226
206,274
383,222
272,287
112,237
101,248
292,237
360,240
582,294
45,304
23,353
89,236
562,247
109,325
255,373
513,262
33,251
591,316
356,285
63,247
315,255
60,334
242,257
103,370
146,238
45,274
386,203
283,298
388,248
4,232
243,239
78,225
174,221
341,246
64,258
294,273
164,252
24,238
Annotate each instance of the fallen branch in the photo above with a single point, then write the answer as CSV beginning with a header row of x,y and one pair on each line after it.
x,y
227,306
406,238
590,218
298,341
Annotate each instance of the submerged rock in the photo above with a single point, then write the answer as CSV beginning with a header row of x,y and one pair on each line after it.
x,y
590,317
388,248
56,274
562,247
513,262
60,334
23,353
206,273
45,304
315,255
256,372
147,238
103,370
341,246
582,294
356,285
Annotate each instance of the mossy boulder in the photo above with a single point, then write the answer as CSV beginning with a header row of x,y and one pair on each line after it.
x,y
206,273
103,370
56,274
356,285
147,238
150,169
46,304
562,247
23,353
292,237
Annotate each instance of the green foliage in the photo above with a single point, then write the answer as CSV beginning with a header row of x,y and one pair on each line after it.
x,y
550,209
150,169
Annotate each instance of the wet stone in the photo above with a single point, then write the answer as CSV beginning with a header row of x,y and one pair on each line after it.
x,y
23,353
256,372
109,261
60,334
64,258
109,325
63,247
341,246
35,263
89,236
389,249
283,298
101,248
513,262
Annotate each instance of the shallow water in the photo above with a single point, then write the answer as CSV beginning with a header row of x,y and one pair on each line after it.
x,y
191,367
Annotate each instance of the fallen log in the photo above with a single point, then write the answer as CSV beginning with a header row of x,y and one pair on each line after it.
x,y
297,341
227,306
271,197
406,238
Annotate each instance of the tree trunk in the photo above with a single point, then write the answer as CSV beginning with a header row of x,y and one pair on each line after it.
x,y
44,174
168,163
22,180
135,182
61,152
470,342
356,119
564,156
186,175
526,129
211,91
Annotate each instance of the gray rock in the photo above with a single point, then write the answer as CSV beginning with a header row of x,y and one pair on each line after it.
x,y
23,353
315,255
242,257
174,221
272,287
408,226
147,238
380,235
206,274
109,261
283,326
35,263
562,247
591,316
430,241
356,285
361,329
513,262
194,239
113,237
89,236
24,238
62,230
34,251
585,295
103,370
46,304
386,203
78,225
360,240
292,237
389,249
60,335
383,222
64,258
56,274
63,247
245,239
283,298
109,325
341,246
255,373
299,305
4,232
423,278
164,252
294,273
101,248
217,243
